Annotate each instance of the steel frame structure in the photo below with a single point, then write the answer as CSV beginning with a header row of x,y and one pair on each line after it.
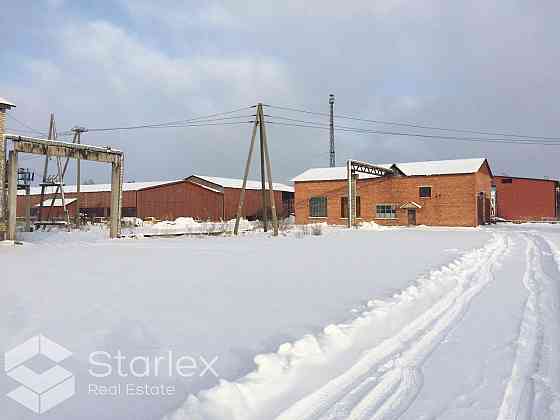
x,y
23,144
352,168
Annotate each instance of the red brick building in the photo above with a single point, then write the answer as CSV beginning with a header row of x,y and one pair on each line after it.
x,y
436,193
526,199
199,197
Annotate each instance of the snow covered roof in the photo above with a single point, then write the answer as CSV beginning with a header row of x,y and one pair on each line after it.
x,y
238,183
57,202
434,167
127,186
329,174
441,167
5,102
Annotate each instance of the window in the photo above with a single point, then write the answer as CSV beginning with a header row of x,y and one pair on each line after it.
x,y
318,207
344,207
386,211
425,192
507,181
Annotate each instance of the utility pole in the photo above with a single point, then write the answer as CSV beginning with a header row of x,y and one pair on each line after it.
x,y
263,180
332,155
77,132
265,168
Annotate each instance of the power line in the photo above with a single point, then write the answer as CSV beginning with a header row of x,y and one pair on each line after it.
x,y
34,130
413,125
169,123
357,130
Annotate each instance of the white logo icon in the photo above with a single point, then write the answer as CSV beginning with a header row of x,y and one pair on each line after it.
x,y
39,392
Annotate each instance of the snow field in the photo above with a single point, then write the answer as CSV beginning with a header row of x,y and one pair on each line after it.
x,y
533,390
397,335
203,296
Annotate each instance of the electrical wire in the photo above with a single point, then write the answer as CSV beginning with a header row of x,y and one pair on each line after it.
x,y
357,130
169,123
413,125
34,130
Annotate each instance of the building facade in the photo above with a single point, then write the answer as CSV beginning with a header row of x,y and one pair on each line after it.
x,y
437,193
526,199
199,197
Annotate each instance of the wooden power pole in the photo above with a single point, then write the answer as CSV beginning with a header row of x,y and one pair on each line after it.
x,y
266,175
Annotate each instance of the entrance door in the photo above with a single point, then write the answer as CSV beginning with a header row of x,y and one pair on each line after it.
x,y
411,216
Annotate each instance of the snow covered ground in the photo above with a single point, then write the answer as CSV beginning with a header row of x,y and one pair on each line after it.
x,y
372,324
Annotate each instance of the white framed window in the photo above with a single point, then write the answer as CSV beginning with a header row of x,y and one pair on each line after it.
x,y
386,211
318,207
425,191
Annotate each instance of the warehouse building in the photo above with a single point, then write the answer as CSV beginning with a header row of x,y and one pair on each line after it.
x,y
526,199
435,193
200,197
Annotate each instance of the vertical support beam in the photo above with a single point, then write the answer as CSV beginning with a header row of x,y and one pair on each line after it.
x,y
121,186
332,160
12,196
45,170
27,209
78,182
3,207
116,186
245,175
269,174
64,208
349,199
354,199
263,174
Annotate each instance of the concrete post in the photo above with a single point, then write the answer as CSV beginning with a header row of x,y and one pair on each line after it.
x,y
4,106
116,186
12,196
349,194
3,209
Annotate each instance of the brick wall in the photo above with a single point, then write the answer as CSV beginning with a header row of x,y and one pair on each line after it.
x,y
180,199
252,202
88,200
453,201
525,199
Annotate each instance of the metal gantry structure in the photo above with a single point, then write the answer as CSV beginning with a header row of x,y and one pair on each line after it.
x,y
58,149
353,167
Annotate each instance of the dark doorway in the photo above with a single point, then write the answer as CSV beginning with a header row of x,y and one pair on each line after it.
x,y
412,217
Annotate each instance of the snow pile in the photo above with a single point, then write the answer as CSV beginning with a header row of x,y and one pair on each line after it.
x,y
132,222
371,226
398,334
188,225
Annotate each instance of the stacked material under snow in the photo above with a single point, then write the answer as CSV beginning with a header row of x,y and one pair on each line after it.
x,y
371,226
187,225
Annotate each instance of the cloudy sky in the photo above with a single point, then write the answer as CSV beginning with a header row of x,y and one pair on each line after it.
x,y
479,64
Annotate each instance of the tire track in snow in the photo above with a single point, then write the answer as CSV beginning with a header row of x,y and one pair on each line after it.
x,y
533,390
387,379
